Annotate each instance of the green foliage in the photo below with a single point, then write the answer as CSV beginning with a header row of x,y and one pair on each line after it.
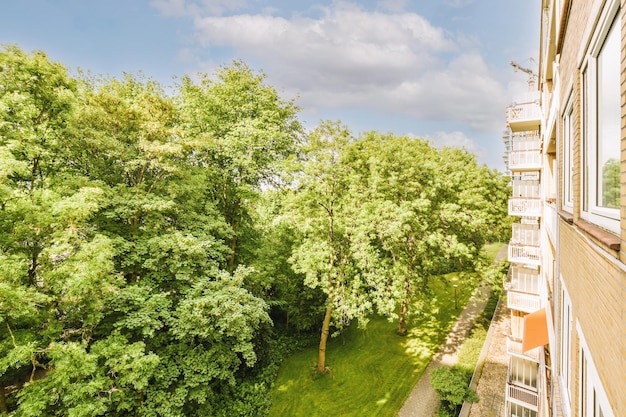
x,y
243,135
611,183
112,243
372,370
452,386
148,241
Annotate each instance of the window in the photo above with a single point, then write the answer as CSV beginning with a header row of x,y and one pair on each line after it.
x,y
593,400
568,157
521,411
601,123
565,332
524,372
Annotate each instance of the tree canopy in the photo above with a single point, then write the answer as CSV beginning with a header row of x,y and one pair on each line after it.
x,y
160,252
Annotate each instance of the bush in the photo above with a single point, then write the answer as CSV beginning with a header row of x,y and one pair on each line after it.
x,y
452,386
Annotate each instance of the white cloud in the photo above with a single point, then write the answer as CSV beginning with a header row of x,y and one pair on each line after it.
x,y
456,139
346,56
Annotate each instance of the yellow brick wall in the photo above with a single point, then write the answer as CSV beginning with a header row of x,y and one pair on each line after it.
x,y
597,288
595,280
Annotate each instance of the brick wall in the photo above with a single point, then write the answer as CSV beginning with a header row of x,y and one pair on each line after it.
x,y
595,280
597,288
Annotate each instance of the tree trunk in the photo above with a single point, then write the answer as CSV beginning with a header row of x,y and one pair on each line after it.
x,y
233,252
3,401
404,307
321,358
402,323
34,263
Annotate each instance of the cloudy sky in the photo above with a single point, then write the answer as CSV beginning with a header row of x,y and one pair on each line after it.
x,y
437,69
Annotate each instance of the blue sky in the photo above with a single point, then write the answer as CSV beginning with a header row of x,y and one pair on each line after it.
x,y
436,69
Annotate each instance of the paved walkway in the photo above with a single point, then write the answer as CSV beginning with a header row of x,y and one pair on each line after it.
x,y
490,385
423,401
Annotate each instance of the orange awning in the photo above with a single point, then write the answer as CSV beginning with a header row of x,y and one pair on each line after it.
x,y
535,330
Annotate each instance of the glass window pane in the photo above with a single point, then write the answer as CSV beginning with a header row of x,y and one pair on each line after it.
x,y
608,141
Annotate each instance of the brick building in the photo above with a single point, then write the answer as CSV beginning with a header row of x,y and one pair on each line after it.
x,y
567,291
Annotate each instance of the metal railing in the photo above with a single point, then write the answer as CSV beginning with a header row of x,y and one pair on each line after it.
x,y
521,395
525,206
520,301
525,254
525,114
525,280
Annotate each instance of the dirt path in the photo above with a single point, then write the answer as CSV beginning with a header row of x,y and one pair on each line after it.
x,y
423,401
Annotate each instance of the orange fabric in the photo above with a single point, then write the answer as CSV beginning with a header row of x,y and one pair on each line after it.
x,y
535,330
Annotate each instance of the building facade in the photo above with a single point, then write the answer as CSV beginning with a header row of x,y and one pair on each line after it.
x,y
567,291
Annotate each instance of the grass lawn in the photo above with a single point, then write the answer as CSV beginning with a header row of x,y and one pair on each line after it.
x,y
373,370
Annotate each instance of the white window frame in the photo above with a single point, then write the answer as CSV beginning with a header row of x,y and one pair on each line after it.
x,y
565,344
593,401
607,218
568,156
523,411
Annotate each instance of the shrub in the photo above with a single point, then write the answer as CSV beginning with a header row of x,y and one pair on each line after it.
x,y
452,386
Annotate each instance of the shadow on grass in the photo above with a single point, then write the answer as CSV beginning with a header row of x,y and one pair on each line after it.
x,y
372,370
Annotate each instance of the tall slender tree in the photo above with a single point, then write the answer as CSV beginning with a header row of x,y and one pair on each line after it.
x,y
328,252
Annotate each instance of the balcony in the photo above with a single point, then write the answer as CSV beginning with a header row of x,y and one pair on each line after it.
x,y
517,410
525,207
526,141
524,292
527,280
523,396
525,153
525,160
514,348
525,114
525,254
522,385
522,301
525,234
526,199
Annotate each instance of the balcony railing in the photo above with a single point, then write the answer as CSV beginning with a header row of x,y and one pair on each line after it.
x,y
525,206
525,141
514,348
525,254
523,396
525,160
522,301
525,114
525,234
527,185
526,280
516,410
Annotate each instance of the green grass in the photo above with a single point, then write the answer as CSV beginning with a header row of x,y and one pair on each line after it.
x,y
471,347
373,370
492,250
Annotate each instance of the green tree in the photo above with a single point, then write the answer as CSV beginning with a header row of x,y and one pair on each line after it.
x,y
111,288
324,254
44,214
611,183
243,133
294,304
425,212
